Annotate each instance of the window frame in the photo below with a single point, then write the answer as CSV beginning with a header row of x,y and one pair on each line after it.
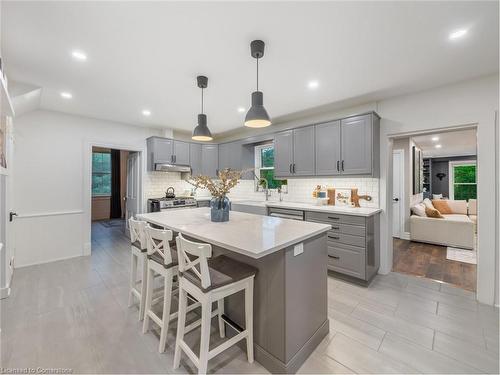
x,y
258,163
451,173
103,195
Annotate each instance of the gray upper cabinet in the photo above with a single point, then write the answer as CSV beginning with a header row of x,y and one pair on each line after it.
x,y
209,160
357,139
230,155
327,153
181,153
283,153
195,158
160,150
303,151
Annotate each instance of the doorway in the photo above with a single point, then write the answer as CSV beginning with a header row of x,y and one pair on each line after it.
x,y
435,227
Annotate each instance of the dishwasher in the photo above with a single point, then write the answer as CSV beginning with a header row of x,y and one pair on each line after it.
x,y
286,213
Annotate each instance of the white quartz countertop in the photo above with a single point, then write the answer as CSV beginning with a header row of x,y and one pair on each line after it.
x,y
357,211
252,235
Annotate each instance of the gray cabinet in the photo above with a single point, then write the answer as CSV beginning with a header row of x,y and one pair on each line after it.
x,y
357,139
181,153
352,244
283,153
327,152
294,152
230,155
209,160
160,150
303,151
195,158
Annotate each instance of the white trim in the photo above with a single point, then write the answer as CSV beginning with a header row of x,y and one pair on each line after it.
x,y
87,184
4,292
451,174
44,214
49,261
402,190
405,236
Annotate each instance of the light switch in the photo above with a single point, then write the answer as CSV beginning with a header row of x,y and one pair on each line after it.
x,y
298,249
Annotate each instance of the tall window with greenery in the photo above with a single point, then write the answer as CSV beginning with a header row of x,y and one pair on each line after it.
x,y
264,165
101,174
463,185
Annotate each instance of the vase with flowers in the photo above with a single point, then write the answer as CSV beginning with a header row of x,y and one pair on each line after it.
x,y
219,188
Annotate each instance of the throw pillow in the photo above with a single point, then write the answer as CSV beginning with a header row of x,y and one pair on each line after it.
x,y
428,204
419,210
432,212
442,206
437,196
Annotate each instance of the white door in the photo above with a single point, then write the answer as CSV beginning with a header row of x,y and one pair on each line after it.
x,y
397,192
133,195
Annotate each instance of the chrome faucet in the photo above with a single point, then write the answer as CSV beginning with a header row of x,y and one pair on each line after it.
x,y
266,189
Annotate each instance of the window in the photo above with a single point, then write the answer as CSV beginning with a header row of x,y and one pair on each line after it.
x,y
264,165
101,174
463,185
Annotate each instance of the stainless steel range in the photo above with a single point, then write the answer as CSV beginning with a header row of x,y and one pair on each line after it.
x,y
161,204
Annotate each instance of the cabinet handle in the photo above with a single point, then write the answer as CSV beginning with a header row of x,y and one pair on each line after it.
x,y
333,256
335,228
290,168
294,168
334,218
334,237
338,165
342,165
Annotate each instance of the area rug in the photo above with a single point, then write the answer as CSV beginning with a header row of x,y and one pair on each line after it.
x,y
112,223
461,255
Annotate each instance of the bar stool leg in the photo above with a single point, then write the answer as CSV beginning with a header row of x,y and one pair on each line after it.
x,y
220,308
249,318
133,278
167,299
143,286
181,322
206,317
149,298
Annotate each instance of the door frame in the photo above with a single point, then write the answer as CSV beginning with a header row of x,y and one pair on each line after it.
x,y
401,192
87,185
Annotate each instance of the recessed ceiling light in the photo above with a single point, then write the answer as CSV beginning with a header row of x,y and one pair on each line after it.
x,y
241,109
146,112
79,55
313,84
437,146
457,34
66,95
435,139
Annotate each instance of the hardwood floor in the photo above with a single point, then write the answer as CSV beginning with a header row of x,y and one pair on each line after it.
x,y
73,314
426,260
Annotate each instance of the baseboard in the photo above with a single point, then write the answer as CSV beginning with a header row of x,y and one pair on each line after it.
x,y
405,236
87,249
4,292
50,261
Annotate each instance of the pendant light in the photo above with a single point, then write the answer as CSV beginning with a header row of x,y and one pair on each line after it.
x,y
201,131
257,116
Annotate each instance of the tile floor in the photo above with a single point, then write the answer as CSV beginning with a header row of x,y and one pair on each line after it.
x,y
74,314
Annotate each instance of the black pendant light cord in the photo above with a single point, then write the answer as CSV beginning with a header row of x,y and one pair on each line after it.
x,y
257,74
202,100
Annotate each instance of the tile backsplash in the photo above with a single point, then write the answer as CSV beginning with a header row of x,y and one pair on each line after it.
x,y
299,190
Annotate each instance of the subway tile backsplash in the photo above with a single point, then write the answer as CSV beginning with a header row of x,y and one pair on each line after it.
x,y
299,190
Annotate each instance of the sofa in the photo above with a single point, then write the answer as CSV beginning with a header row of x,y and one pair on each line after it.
x,y
456,228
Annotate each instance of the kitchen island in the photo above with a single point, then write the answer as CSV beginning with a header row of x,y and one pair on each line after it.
x,y
290,290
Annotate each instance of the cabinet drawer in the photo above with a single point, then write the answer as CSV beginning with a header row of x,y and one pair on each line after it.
x,y
354,230
332,218
347,239
349,261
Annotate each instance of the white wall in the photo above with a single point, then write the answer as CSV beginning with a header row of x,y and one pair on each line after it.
x,y
49,179
470,102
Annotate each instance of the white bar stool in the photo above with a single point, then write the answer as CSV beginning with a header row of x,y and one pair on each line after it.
x,y
209,281
138,251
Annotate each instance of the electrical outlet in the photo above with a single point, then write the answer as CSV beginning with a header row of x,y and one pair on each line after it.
x,y
298,249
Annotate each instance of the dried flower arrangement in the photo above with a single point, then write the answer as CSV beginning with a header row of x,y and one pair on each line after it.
x,y
227,179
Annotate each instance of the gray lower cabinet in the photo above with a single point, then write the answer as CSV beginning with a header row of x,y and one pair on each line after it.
x,y
181,153
195,158
203,203
327,150
352,244
210,160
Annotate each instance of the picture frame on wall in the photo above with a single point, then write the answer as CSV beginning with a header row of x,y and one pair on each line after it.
x,y
418,170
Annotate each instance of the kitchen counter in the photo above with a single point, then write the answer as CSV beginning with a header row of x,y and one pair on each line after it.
x,y
251,235
290,286
357,211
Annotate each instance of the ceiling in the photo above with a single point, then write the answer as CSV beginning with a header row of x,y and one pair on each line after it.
x,y
146,55
453,143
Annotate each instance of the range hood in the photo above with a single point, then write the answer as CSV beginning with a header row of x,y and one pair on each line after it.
x,y
167,167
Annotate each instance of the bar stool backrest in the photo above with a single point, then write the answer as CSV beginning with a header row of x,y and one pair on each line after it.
x,y
158,242
137,231
192,254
